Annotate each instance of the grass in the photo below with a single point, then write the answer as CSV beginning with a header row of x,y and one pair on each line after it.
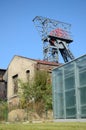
x,y
44,126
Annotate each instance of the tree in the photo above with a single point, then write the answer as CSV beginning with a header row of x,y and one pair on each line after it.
x,y
37,93
26,94
42,88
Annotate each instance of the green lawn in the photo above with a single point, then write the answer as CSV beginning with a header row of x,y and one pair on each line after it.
x,y
44,126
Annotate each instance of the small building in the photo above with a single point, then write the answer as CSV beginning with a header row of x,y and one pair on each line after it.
x,y
20,68
3,86
69,90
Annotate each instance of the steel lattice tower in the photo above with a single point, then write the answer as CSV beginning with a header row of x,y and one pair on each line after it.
x,y
56,37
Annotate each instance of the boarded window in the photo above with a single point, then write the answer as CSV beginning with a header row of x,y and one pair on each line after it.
x,y
15,82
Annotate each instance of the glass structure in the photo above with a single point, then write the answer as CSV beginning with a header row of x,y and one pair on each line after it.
x,y
69,90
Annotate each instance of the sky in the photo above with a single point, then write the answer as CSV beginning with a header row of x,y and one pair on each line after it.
x,y
18,35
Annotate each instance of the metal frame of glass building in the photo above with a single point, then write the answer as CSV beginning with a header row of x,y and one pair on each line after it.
x,y
69,90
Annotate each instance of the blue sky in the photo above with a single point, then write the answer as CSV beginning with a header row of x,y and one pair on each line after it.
x,y
18,36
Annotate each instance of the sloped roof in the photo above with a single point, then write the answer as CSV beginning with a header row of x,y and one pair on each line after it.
x,y
35,60
41,61
47,62
2,71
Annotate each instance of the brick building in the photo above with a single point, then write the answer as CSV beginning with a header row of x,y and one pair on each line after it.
x,y
20,68
3,86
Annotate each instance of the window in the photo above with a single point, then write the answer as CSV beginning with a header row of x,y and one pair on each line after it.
x,y
15,82
28,74
50,70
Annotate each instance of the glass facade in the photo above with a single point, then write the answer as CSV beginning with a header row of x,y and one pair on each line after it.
x,y
69,90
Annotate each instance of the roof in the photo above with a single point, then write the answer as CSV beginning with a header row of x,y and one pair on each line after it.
x,y
41,61
2,71
36,60
47,62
